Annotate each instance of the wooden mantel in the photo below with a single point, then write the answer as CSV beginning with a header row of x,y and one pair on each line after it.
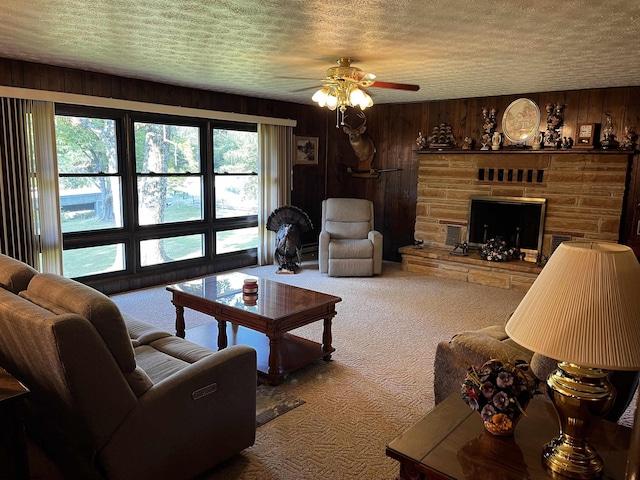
x,y
584,189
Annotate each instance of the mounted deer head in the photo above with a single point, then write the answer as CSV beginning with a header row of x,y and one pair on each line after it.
x,y
362,143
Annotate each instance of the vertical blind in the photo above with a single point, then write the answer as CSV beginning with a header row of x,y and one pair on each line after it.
x,y
18,237
29,205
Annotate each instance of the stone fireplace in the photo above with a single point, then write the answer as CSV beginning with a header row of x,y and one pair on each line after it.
x,y
519,221
583,193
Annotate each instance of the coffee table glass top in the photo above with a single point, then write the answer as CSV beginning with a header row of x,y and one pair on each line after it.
x,y
274,299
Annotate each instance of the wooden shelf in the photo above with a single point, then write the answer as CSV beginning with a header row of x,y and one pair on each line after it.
x,y
526,151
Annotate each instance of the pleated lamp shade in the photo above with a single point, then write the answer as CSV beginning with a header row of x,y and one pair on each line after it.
x,y
584,307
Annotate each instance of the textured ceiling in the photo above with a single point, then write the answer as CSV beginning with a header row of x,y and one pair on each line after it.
x,y
280,49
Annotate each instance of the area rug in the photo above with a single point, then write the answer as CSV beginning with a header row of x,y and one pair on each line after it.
x,y
272,403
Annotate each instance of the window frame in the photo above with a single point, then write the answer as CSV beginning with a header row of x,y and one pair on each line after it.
x,y
131,234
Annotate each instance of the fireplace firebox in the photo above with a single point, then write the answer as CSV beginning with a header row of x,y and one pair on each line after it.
x,y
519,221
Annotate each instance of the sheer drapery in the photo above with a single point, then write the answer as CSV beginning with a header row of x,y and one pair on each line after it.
x,y
275,150
46,166
30,225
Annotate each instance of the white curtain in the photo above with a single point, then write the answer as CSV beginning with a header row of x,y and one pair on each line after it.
x,y
46,167
29,205
275,150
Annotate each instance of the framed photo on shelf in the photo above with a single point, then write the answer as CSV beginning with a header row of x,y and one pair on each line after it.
x,y
305,151
585,135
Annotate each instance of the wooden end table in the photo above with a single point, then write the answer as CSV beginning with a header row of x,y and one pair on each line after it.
x,y
450,442
13,444
261,322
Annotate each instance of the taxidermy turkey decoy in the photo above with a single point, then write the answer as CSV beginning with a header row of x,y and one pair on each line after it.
x,y
289,223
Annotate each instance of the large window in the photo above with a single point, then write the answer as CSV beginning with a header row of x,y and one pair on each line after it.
x,y
235,166
91,184
89,177
169,177
145,192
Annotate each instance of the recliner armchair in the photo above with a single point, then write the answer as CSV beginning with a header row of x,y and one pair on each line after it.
x,y
348,244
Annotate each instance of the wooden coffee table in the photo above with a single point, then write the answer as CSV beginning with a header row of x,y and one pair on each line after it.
x,y
450,442
262,323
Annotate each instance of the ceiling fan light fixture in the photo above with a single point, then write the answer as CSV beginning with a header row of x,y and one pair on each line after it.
x,y
360,98
320,97
332,101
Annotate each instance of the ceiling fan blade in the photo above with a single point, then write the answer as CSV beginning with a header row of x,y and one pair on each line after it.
x,y
397,86
298,90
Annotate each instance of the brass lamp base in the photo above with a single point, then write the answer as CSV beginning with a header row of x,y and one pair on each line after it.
x,y
581,397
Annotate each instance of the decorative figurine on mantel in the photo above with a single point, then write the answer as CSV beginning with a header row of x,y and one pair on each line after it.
x,y
489,126
609,141
421,142
467,143
538,138
629,139
567,143
442,137
496,141
555,120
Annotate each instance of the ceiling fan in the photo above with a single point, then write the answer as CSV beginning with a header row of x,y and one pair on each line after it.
x,y
344,86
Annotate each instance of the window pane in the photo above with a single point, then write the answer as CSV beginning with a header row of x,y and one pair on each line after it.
x,y
90,203
169,199
235,151
81,262
166,148
164,250
236,195
236,240
86,145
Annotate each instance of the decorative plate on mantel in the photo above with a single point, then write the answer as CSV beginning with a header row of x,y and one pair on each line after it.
x,y
521,120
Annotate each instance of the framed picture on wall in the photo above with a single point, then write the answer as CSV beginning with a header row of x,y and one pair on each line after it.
x,y
306,151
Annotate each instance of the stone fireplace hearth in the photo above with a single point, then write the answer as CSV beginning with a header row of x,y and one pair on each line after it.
x,y
584,192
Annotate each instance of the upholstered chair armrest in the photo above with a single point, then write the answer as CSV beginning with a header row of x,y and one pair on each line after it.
x,y
467,349
207,410
323,251
376,238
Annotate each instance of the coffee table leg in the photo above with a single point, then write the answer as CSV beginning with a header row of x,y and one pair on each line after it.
x,y
179,321
273,372
222,334
327,339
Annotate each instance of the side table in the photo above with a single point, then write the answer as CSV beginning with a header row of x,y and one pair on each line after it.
x,y
14,463
450,442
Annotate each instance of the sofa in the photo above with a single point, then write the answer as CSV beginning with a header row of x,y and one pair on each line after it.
x,y
348,245
112,397
472,348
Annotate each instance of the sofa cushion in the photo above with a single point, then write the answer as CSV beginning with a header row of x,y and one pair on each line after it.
x,y
158,365
15,275
57,294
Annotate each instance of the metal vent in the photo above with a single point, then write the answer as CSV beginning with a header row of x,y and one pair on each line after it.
x,y
556,240
454,234
509,175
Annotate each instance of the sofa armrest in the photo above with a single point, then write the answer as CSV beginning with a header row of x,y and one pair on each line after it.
x,y
208,409
467,349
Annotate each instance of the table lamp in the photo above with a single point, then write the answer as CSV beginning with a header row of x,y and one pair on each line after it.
x,y
584,311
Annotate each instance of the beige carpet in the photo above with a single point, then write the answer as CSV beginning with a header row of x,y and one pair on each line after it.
x,y
379,382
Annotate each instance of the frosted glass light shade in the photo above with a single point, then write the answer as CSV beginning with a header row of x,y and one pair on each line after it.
x,y
584,307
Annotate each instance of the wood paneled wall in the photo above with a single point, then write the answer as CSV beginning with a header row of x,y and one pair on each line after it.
x,y
393,127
